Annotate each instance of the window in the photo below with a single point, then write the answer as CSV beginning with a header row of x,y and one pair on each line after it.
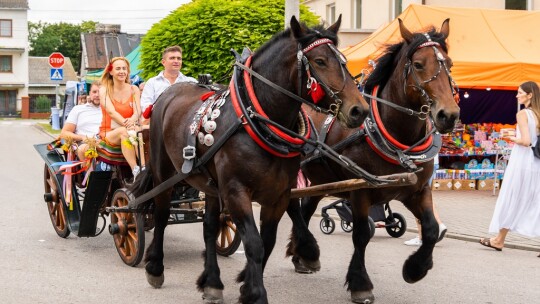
x,y
331,13
516,4
357,14
398,7
5,28
5,64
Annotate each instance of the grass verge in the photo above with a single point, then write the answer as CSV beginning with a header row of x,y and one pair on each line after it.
x,y
48,128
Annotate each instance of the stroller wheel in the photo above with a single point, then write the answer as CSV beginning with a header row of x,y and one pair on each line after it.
x,y
372,227
327,225
398,227
346,226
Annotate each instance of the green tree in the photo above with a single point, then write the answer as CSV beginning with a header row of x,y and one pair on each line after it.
x,y
207,30
65,38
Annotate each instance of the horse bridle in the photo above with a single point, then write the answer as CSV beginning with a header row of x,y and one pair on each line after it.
x,y
425,109
312,80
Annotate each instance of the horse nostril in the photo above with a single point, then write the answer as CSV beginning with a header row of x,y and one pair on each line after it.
x,y
447,118
356,113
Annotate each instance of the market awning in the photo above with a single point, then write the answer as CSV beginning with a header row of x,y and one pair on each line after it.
x,y
489,48
134,59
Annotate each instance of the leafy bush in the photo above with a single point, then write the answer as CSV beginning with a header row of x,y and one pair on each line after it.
x,y
207,30
43,104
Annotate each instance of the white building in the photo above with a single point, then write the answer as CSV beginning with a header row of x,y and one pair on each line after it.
x,y
14,49
360,18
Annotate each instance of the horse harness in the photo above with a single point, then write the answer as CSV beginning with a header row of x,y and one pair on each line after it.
x,y
269,135
376,135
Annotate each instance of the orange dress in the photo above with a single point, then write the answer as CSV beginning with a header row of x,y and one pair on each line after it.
x,y
125,109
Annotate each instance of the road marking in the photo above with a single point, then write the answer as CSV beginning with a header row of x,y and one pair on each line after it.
x,y
7,122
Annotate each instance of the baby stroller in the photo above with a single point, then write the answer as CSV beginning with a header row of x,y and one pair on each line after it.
x,y
394,222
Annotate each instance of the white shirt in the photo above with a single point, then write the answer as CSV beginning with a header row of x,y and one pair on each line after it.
x,y
156,85
86,119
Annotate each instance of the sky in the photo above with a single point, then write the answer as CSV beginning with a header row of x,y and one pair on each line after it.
x,y
135,16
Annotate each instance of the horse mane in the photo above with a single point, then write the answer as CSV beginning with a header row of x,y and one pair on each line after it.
x,y
387,62
313,33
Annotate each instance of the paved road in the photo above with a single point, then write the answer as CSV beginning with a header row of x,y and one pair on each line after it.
x,y
39,267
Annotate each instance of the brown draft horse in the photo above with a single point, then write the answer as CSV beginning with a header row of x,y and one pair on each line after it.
x,y
240,171
414,76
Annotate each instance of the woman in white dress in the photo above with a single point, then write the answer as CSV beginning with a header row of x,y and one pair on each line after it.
x,y
518,204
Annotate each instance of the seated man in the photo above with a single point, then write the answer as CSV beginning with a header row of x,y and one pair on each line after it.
x,y
83,121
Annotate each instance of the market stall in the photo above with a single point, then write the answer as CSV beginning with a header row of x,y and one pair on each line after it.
x,y
493,52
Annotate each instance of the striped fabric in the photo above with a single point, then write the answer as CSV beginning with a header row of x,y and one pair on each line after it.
x,y
110,154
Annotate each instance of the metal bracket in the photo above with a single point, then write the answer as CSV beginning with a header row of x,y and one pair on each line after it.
x,y
189,152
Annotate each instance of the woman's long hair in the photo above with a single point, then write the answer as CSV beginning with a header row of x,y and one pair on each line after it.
x,y
107,79
531,87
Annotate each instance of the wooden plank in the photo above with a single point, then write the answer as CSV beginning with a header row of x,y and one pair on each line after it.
x,y
401,179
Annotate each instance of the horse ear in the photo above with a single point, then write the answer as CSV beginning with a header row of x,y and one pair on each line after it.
x,y
445,28
405,33
297,29
335,27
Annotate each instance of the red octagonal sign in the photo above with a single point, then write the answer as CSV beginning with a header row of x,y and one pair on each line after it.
x,y
56,60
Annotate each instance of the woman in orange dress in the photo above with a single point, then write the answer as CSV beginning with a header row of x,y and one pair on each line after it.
x,y
120,104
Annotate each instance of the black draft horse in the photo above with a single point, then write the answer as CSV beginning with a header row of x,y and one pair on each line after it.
x,y
414,75
271,84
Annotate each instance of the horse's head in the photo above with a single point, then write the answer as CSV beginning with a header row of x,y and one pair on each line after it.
x,y
329,84
427,81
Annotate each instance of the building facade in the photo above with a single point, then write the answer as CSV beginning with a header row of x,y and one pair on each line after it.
x,y
14,49
360,18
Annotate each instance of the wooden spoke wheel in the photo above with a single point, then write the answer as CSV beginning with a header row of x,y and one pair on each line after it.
x,y
55,204
127,229
228,240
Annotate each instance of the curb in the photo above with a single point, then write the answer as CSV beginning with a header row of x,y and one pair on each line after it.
x,y
37,126
463,237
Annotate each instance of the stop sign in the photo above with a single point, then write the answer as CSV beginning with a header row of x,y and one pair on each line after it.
x,y
56,60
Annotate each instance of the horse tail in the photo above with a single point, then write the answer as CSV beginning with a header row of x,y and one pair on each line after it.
x,y
142,184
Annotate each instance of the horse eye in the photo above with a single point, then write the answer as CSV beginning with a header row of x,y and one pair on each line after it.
x,y
418,65
319,62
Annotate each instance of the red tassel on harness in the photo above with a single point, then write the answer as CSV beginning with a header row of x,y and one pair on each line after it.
x,y
316,92
148,112
206,95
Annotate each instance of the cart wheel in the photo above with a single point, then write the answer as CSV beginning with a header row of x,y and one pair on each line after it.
x,y
127,229
346,226
327,225
400,227
372,227
227,240
55,204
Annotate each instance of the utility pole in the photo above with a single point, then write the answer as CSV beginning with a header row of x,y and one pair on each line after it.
x,y
292,8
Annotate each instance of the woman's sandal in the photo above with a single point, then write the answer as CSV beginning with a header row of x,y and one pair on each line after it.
x,y
486,242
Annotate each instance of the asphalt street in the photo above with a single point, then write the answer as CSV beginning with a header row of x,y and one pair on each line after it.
x,y
39,267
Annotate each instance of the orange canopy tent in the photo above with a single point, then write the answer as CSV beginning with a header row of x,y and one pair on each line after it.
x,y
499,49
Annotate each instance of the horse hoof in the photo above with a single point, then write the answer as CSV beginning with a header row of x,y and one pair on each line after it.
x,y
414,272
303,266
212,296
363,297
154,281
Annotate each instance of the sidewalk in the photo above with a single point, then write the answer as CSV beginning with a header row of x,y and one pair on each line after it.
x,y
467,215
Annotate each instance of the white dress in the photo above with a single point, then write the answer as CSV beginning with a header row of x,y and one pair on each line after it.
x,y
518,204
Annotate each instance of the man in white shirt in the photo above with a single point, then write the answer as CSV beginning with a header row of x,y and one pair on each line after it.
x,y
83,121
172,62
